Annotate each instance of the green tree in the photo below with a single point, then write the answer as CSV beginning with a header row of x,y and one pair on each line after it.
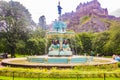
x,y
99,42
36,43
78,44
2,45
113,45
84,42
14,22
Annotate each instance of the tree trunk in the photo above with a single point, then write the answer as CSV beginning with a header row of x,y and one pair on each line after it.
x,y
12,52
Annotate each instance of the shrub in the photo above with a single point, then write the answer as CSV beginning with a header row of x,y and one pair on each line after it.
x,y
91,67
119,64
77,72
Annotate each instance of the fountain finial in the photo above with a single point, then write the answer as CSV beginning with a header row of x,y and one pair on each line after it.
x,y
59,9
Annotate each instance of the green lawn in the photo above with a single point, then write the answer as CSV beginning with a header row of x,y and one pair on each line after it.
x,y
17,78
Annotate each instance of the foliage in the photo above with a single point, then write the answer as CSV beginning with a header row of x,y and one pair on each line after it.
x,y
36,43
36,46
84,19
112,45
19,78
2,45
114,42
84,42
83,71
100,41
119,64
14,21
17,36
78,44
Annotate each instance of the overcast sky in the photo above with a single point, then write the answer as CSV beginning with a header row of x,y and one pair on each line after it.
x,y
49,7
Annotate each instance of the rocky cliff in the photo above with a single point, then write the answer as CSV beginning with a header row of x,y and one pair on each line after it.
x,y
89,17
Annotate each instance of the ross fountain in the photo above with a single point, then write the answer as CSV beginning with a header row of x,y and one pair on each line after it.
x,y
59,52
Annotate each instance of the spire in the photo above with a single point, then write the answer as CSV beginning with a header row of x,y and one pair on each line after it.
x,y
96,0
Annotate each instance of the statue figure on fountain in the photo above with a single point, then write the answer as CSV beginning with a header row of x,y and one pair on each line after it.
x,y
59,9
55,49
55,45
66,45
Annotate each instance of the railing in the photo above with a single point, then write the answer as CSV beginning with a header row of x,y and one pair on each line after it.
x,y
57,76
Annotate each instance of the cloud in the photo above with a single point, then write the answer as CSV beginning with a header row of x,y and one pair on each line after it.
x,y
116,13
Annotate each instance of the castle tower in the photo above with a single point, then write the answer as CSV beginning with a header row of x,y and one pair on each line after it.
x,y
96,3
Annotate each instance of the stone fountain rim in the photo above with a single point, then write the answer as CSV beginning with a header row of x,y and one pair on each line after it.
x,y
7,62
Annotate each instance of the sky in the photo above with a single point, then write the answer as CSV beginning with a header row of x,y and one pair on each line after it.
x,y
48,8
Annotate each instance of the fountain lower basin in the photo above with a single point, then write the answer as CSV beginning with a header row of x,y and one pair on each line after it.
x,y
49,62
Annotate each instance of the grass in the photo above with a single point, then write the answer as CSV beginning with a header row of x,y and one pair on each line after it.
x,y
19,55
18,78
108,56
